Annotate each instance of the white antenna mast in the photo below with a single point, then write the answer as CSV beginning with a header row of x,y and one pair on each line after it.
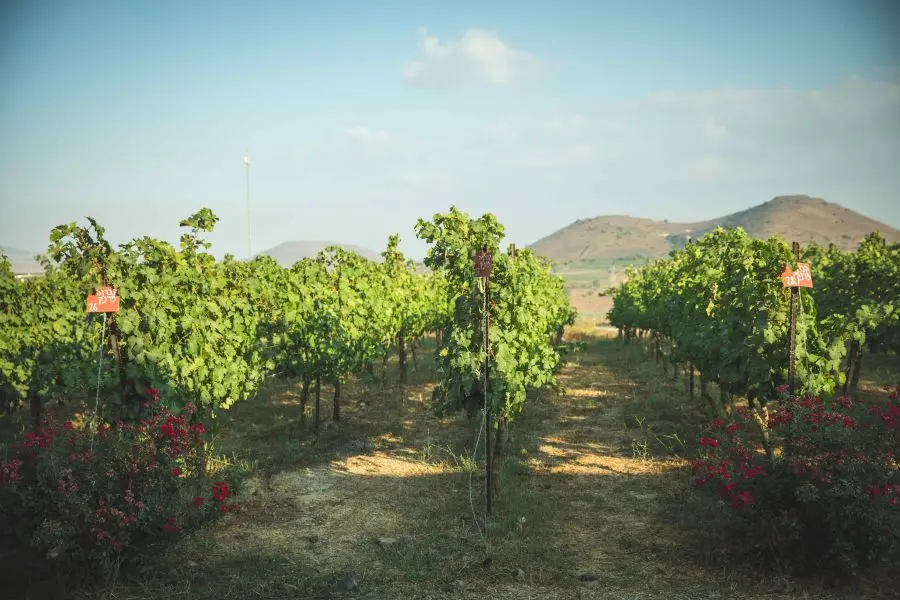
x,y
247,171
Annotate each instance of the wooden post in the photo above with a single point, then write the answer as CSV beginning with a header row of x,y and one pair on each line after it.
x,y
483,271
792,349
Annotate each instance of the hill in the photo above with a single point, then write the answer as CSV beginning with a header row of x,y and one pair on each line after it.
x,y
795,218
21,261
290,252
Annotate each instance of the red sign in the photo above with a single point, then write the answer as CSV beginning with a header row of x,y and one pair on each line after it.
x,y
802,277
483,264
105,300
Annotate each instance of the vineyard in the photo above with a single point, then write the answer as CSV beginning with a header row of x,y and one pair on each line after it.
x,y
221,390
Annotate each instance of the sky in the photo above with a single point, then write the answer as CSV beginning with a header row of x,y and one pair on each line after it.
x,y
360,117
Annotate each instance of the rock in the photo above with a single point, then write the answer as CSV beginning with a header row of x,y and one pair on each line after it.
x,y
351,584
520,574
387,541
587,577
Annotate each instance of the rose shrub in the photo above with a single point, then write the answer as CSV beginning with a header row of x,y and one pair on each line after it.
x,y
830,499
101,498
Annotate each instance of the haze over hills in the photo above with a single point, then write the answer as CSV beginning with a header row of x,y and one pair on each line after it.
x,y
290,252
22,261
795,218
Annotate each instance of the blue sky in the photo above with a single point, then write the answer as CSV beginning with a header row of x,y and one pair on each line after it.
x,y
362,116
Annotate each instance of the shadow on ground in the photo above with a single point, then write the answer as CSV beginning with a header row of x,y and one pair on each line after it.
x,y
388,503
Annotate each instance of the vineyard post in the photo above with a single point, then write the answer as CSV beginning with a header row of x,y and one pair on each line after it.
x,y
792,334
483,270
691,363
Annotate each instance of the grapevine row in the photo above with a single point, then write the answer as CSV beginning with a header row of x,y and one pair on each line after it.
x,y
720,306
211,332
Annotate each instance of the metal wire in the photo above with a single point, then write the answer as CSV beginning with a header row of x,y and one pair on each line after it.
x,y
99,374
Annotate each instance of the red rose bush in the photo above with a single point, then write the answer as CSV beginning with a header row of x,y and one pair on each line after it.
x,y
830,498
78,496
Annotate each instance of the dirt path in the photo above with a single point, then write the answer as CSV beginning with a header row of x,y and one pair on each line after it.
x,y
594,503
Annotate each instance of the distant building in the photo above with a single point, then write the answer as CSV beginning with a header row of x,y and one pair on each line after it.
x,y
27,275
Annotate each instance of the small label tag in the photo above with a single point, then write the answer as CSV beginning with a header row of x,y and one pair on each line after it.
x,y
802,277
105,300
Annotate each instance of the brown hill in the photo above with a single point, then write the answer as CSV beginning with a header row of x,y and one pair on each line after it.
x,y
288,253
794,218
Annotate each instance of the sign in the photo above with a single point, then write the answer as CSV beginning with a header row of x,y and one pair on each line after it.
x,y
802,277
105,300
483,264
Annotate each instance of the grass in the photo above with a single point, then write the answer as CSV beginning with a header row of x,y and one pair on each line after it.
x,y
595,500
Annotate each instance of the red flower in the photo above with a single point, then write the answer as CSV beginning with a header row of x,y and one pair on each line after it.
x,y
170,527
734,427
199,500
782,388
220,491
873,491
68,425
754,471
728,488
176,472
153,393
705,441
198,428
741,499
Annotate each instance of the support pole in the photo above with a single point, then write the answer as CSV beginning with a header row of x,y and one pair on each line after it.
x,y
792,334
487,403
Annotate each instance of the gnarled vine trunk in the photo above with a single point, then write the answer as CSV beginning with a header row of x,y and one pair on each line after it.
x,y
760,414
500,438
304,398
336,407
318,403
401,357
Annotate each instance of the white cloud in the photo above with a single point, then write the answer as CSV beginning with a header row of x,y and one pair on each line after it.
x,y
478,56
659,157
746,135
366,136
368,142
552,142
714,129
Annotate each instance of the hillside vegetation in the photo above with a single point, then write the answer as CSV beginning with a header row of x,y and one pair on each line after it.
x,y
796,218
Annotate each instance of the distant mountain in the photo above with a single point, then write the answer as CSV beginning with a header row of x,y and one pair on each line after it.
x,y
290,252
22,261
795,218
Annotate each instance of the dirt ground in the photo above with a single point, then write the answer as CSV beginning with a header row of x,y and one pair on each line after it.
x,y
590,304
388,503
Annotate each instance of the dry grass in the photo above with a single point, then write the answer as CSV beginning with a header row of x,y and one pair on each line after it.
x,y
595,502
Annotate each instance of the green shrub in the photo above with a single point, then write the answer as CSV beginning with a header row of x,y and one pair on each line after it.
x,y
95,500
830,498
